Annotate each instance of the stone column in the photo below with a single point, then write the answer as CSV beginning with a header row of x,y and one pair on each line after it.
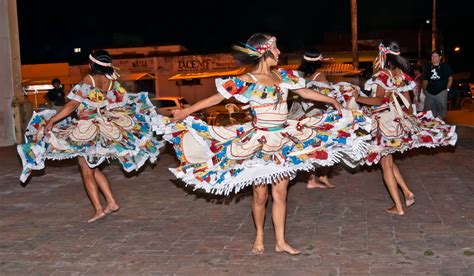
x,y
15,110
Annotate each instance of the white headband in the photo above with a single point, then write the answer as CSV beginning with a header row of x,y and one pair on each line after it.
x,y
320,57
105,64
114,75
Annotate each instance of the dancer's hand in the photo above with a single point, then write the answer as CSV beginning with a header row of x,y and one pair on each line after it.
x,y
179,114
48,127
355,95
337,106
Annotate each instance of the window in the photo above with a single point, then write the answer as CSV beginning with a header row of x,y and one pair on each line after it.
x,y
166,103
183,101
163,103
188,82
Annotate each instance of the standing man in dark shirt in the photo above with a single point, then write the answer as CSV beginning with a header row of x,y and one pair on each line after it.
x,y
436,82
56,95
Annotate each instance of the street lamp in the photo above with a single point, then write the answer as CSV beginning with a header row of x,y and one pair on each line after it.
x,y
457,49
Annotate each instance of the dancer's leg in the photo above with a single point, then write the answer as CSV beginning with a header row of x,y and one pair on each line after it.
x,y
260,196
409,195
91,188
279,191
104,187
390,181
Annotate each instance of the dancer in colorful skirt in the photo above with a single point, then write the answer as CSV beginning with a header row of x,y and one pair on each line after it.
x,y
111,124
301,108
271,148
396,128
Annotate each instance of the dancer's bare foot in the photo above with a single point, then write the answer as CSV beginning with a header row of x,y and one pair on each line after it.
x,y
395,211
111,208
325,180
312,184
286,248
315,186
96,216
258,247
409,200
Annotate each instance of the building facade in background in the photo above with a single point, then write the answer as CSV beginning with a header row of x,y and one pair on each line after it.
x,y
171,71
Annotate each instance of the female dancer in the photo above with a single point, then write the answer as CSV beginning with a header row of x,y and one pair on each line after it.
x,y
316,80
300,109
271,148
111,124
395,128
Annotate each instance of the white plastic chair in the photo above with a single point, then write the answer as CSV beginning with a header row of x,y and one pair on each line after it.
x,y
231,108
211,119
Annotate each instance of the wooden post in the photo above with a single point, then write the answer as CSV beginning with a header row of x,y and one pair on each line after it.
x,y
434,28
420,29
355,51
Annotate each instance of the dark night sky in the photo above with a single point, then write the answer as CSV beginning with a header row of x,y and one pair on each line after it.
x,y
49,30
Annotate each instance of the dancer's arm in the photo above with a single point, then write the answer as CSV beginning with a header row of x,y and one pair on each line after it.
x,y
410,110
315,96
377,100
67,109
181,114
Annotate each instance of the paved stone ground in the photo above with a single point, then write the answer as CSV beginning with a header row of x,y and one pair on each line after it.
x,y
166,228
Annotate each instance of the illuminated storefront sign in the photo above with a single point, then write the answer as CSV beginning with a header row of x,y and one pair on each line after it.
x,y
195,64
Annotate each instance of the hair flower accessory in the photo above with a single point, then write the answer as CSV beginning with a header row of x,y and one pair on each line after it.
x,y
383,51
257,51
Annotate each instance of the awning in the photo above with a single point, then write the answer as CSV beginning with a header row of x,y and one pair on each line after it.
x,y
238,71
136,77
41,81
331,69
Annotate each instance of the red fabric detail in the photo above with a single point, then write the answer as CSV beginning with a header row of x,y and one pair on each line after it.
x,y
320,155
214,147
407,77
427,139
372,156
230,87
326,127
383,78
343,134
